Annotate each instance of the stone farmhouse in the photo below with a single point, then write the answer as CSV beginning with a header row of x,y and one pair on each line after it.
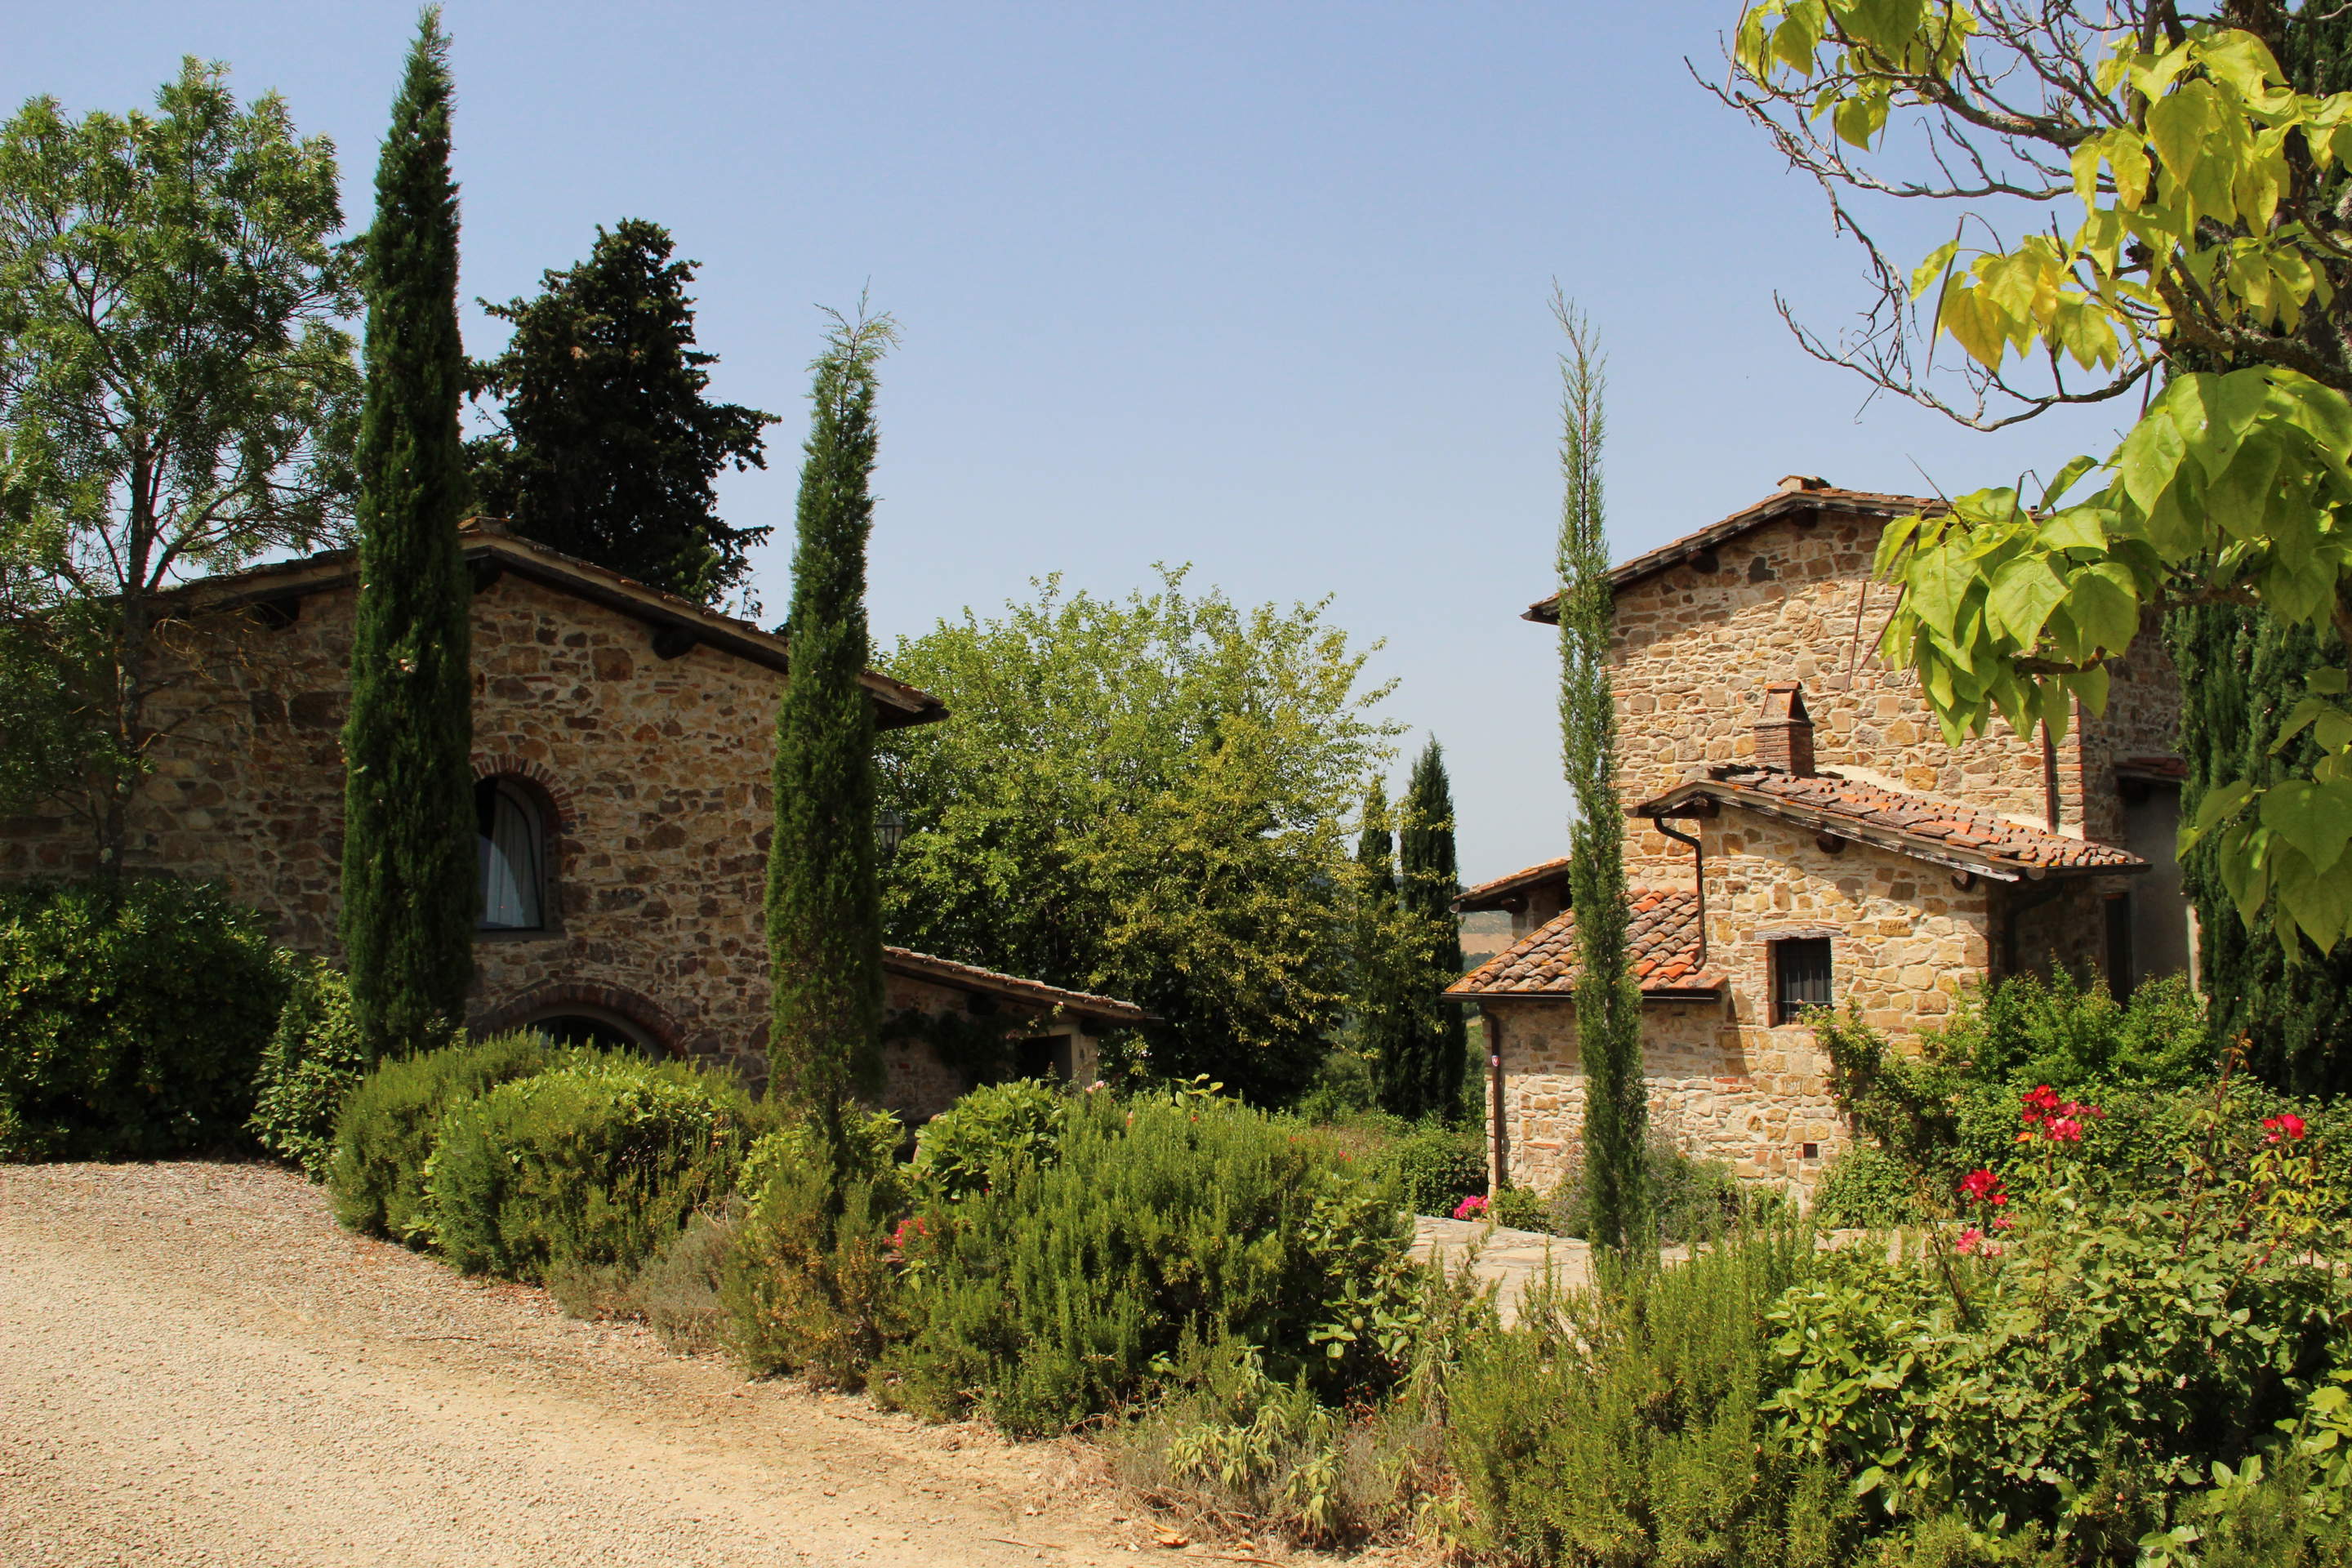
x,y
623,746
1804,836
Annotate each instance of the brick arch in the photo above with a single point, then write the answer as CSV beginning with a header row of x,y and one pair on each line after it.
x,y
548,995
492,765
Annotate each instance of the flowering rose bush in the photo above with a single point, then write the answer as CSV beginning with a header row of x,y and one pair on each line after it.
x,y
2072,1360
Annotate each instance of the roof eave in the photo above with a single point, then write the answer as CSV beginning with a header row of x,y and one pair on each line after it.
x,y
1934,851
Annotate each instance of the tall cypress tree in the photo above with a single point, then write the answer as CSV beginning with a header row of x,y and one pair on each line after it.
x,y
408,830
610,445
2240,672
1384,999
825,904
1430,876
1608,998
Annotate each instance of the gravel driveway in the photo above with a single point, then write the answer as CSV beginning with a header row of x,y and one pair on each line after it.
x,y
196,1367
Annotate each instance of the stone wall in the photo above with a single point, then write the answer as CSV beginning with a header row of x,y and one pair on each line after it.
x,y
653,774
1793,600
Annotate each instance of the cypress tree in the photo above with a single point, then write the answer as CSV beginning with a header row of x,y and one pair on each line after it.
x,y
1384,1001
609,446
408,834
825,903
1429,878
1608,998
2240,672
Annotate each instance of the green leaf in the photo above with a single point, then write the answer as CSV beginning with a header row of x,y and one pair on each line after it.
x,y
2104,603
2177,125
2315,818
2023,593
2065,481
1927,271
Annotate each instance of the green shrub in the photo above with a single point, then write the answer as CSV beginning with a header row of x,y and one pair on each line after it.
x,y
313,1060
969,1145
594,1164
1865,1187
1063,1290
131,1018
389,1125
813,1288
1622,1426
1520,1209
2075,1036
1435,1166
1689,1200
1342,1089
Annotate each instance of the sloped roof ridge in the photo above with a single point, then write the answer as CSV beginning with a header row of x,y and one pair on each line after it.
x,y
906,961
1779,503
1954,833
1663,944
1527,876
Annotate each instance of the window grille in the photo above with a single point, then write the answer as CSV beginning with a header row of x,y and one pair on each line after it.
x,y
1801,977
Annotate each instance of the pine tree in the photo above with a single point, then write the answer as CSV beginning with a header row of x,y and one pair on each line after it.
x,y
825,904
408,834
1608,998
1384,1003
609,446
2240,672
1429,878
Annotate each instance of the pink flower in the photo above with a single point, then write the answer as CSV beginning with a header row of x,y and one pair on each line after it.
x,y
1470,1207
2287,1125
2062,1129
1973,1242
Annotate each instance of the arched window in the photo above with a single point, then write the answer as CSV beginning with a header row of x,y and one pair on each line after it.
x,y
512,856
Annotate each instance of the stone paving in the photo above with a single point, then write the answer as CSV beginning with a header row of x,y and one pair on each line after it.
x,y
1510,1258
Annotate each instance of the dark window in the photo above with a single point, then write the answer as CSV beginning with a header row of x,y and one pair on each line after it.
x,y
1801,977
511,855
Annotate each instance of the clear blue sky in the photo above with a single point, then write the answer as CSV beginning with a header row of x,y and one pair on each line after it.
x,y
1262,287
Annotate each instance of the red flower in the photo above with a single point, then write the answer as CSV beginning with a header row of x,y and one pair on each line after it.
x,y
1984,1187
2287,1125
2060,1120
1972,1240
2062,1129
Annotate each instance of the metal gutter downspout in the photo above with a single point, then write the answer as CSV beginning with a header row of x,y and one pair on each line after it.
x,y
1699,872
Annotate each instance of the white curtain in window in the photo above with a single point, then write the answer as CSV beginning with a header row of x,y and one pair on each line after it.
x,y
510,861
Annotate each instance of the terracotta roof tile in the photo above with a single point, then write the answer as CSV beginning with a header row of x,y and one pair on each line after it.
x,y
1909,823
1796,494
1662,941
948,972
1485,895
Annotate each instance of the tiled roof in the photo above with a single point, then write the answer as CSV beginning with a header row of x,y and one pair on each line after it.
x,y
488,547
1798,493
972,977
1490,895
1961,836
1662,942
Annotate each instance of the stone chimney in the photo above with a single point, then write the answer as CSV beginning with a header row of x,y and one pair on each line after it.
x,y
1784,731
1793,482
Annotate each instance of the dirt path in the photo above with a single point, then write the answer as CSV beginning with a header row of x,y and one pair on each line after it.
x,y
196,1367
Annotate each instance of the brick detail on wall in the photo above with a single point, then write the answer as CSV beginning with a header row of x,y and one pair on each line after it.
x,y
550,996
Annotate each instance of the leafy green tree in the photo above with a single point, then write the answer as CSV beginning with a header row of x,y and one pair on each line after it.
x,y
176,397
1147,798
1608,997
1429,1077
608,445
409,870
824,911
2214,232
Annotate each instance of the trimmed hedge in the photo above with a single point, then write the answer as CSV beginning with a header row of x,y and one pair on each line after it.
x,y
313,1062
593,1163
131,1018
390,1124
